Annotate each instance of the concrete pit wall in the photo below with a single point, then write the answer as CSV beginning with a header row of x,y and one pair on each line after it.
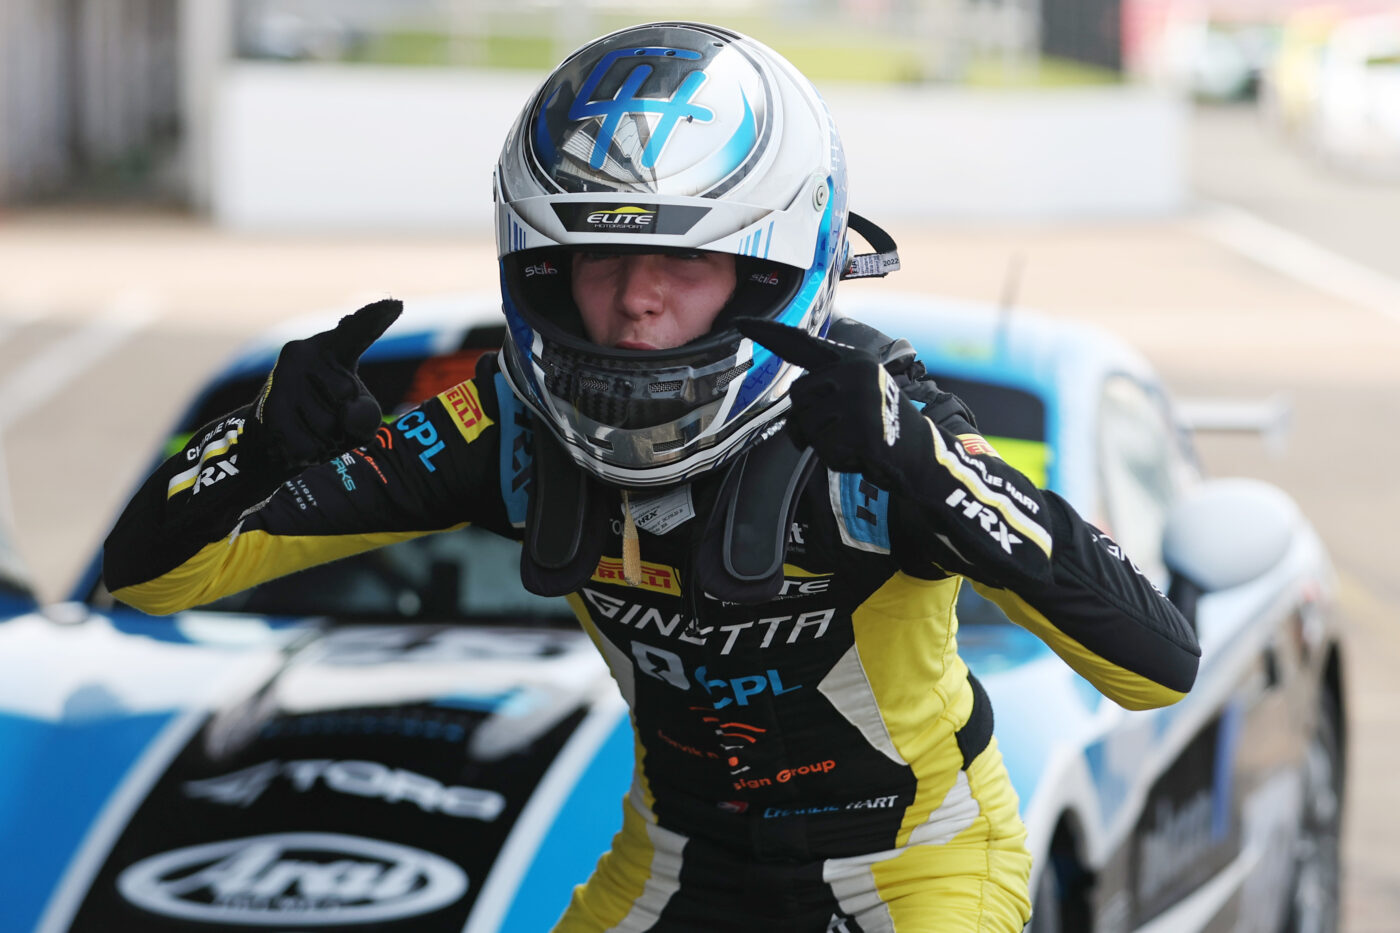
x,y
322,148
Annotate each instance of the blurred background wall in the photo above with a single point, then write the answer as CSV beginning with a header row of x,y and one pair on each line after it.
x,y
345,114
89,95
307,114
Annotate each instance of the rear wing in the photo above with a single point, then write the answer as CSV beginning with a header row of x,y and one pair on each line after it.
x,y
1271,418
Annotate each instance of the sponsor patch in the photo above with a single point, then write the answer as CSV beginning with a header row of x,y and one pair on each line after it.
x,y
416,427
621,217
977,445
658,514
293,879
862,512
214,459
767,630
655,577
784,775
367,779
517,435
464,404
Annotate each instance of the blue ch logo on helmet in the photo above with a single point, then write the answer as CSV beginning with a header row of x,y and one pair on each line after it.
x,y
612,110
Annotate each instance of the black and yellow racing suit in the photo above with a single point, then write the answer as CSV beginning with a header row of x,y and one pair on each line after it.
x,y
819,761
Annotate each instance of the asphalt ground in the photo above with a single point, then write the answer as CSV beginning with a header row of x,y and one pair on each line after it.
x,y
1282,279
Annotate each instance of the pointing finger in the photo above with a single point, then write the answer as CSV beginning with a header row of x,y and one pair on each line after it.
x,y
355,332
792,344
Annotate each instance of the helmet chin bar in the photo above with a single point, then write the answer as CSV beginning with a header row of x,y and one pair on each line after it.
x,y
656,445
579,438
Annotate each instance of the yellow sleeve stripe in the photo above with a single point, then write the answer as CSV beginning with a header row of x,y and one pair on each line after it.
x,y
247,559
184,480
1011,513
1122,686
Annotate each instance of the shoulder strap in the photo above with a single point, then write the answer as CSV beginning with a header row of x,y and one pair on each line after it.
x,y
563,535
741,552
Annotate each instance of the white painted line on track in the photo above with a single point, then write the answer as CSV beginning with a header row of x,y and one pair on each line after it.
x,y
49,371
1302,260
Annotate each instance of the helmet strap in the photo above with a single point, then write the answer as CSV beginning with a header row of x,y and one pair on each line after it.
x,y
878,264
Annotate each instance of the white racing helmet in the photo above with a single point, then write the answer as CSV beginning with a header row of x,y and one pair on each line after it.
x,y
668,136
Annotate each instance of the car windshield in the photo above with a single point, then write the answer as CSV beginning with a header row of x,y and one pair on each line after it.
x,y
469,575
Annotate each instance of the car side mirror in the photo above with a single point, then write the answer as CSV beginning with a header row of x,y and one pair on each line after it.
x,y
1225,533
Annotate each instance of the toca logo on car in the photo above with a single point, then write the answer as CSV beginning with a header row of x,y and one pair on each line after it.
x,y
293,880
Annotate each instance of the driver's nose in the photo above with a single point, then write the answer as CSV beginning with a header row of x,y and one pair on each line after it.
x,y
641,289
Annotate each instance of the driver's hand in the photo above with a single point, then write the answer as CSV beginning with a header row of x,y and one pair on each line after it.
x,y
987,519
313,405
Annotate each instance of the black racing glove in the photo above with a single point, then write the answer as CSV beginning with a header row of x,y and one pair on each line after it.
x,y
313,405
989,520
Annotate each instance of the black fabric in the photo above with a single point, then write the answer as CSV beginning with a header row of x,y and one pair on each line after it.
x,y
725,889
976,734
859,420
739,744
568,519
157,532
740,555
313,404
1096,587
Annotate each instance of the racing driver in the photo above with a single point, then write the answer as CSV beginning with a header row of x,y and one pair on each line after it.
x,y
760,511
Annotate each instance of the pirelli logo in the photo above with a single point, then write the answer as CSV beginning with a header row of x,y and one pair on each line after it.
x,y
976,444
655,577
464,405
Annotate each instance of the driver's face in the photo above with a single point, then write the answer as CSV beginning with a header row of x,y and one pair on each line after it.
x,y
650,301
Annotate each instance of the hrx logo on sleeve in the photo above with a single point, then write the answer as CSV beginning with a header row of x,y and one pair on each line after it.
x,y
214,446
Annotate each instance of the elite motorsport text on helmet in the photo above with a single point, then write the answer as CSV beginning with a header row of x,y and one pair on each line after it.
x,y
669,136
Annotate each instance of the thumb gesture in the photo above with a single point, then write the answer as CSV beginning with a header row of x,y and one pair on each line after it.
x,y
847,407
313,404
990,519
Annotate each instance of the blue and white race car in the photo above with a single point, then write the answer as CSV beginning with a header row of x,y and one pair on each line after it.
x,y
407,740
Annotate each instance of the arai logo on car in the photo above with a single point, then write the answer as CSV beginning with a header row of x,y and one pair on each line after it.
x,y
293,880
